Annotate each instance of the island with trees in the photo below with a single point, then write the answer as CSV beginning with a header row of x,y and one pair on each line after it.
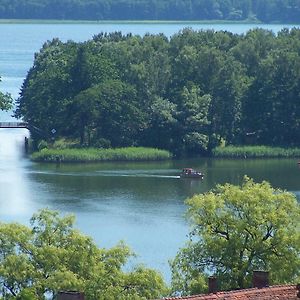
x,y
283,11
186,94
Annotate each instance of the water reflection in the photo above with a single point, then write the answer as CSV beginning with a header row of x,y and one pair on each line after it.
x,y
14,195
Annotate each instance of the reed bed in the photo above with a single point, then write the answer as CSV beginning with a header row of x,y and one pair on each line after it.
x,y
255,152
98,155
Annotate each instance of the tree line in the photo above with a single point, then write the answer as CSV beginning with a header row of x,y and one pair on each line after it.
x,y
262,10
185,94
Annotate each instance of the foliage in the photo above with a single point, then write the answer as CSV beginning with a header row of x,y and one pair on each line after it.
x,y
51,255
184,94
64,144
238,229
255,152
5,101
42,145
264,10
93,154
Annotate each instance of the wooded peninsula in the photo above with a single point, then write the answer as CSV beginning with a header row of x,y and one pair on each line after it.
x,y
186,94
284,11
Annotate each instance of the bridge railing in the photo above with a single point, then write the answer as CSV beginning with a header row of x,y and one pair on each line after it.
x,y
14,125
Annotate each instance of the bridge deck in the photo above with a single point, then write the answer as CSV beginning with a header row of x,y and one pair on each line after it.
x,y
14,125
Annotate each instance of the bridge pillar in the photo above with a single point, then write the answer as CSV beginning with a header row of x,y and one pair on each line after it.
x,y
26,144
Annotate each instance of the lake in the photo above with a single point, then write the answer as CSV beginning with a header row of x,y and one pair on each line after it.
x,y
140,203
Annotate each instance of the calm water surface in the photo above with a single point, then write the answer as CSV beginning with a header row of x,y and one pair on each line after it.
x,y
140,203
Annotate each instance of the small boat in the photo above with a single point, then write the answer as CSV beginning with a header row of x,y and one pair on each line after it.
x,y
191,173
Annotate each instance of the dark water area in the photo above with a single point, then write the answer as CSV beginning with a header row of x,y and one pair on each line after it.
x,y
140,203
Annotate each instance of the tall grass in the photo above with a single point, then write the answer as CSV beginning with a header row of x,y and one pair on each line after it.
x,y
95,155
255,152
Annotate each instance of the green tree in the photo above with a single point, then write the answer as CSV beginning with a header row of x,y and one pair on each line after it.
x,y
5,101
275,91
47,89
51,255
84,114
162,125
228,91
238,229
120,117
193,119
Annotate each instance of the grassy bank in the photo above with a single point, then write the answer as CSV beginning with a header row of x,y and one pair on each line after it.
x,y
255,152
98,155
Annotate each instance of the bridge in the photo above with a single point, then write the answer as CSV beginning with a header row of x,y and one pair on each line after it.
x,y
14,125
27,126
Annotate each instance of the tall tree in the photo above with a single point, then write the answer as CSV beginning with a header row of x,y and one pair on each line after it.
x,y
47,90
276,92
162,125
50,255
238,229
193,123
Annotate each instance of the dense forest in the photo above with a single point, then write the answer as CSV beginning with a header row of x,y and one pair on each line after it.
x,y
286,11
186,94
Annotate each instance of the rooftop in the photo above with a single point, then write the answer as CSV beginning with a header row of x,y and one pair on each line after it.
x,y
277,292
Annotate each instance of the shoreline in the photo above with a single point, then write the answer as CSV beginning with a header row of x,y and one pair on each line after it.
x,y
91,155
136,154
255,152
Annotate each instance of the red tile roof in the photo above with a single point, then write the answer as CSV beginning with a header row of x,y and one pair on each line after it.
x,y
277,292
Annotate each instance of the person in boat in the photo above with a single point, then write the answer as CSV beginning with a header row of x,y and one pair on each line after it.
x,y
189,172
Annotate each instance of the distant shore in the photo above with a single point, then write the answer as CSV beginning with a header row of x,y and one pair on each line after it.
x,y
58,21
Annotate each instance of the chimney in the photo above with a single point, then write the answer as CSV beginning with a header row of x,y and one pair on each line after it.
x,y
70,295
212,285
260,279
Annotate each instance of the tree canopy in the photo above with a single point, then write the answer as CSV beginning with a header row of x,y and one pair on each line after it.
x,y
236,230
51,255
286,11
182,94
5,100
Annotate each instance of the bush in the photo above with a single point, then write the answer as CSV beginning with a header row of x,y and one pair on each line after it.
x,y
64,144
102,143
42,145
